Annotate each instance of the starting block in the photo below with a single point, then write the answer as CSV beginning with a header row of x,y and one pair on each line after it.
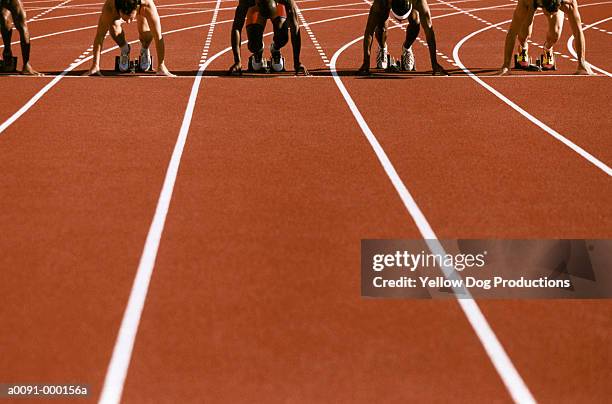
x,y
393,66
527,65
10,66
133,67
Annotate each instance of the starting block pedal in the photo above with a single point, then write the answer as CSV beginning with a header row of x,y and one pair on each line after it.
x,y
121,69
138,66
10,66
527,64
262,66
393,65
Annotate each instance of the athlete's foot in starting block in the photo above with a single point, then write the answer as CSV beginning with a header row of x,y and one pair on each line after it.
x,y
122,62
257,63
522,61
382,59
8,64
145,62
547,60
278,61
407,63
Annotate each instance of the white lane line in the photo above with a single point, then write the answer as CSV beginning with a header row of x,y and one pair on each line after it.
x,y
118,367
72,66
570,45
48,11
122,352
331,7
579,150
312,36
498,356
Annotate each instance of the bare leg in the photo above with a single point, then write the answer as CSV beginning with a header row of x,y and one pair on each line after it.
x,y
144,32
555,26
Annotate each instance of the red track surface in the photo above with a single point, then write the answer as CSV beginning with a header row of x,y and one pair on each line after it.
x,y
255,291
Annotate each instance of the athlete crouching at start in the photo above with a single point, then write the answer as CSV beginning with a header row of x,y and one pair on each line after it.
x,y
15,9
522,26
414,11
283,15
114,13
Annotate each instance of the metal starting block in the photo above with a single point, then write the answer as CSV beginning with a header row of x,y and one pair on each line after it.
x,y
393,65
134,66
537,67
10,66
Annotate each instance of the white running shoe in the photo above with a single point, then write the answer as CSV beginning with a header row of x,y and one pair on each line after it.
x,y
277,61
145,59
124,59
408,63
382,59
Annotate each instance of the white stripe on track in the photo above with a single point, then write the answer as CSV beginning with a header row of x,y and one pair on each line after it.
x,y
570,46
122,352
498,356
48,11
118,367
579,150
312,36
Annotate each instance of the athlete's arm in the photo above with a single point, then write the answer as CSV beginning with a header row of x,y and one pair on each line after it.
x,y
522,15
425,16
296,38
570,8
104,22
152,16
379,12
239,18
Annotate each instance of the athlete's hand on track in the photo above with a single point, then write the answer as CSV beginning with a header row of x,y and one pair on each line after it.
x,y
162,70
364,70
301,69
94,71
504,71
439,71
28,71
235,69
584,69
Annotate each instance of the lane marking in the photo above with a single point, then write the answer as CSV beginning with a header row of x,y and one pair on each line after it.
x,y
119,364
124,345
498,356
495,351
48,11
312,36
579,150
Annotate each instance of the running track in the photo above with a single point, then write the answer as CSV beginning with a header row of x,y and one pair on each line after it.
x,y
248,226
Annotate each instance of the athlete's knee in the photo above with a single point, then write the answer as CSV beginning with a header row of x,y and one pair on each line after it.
x,y
281,32
255,37
115,31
